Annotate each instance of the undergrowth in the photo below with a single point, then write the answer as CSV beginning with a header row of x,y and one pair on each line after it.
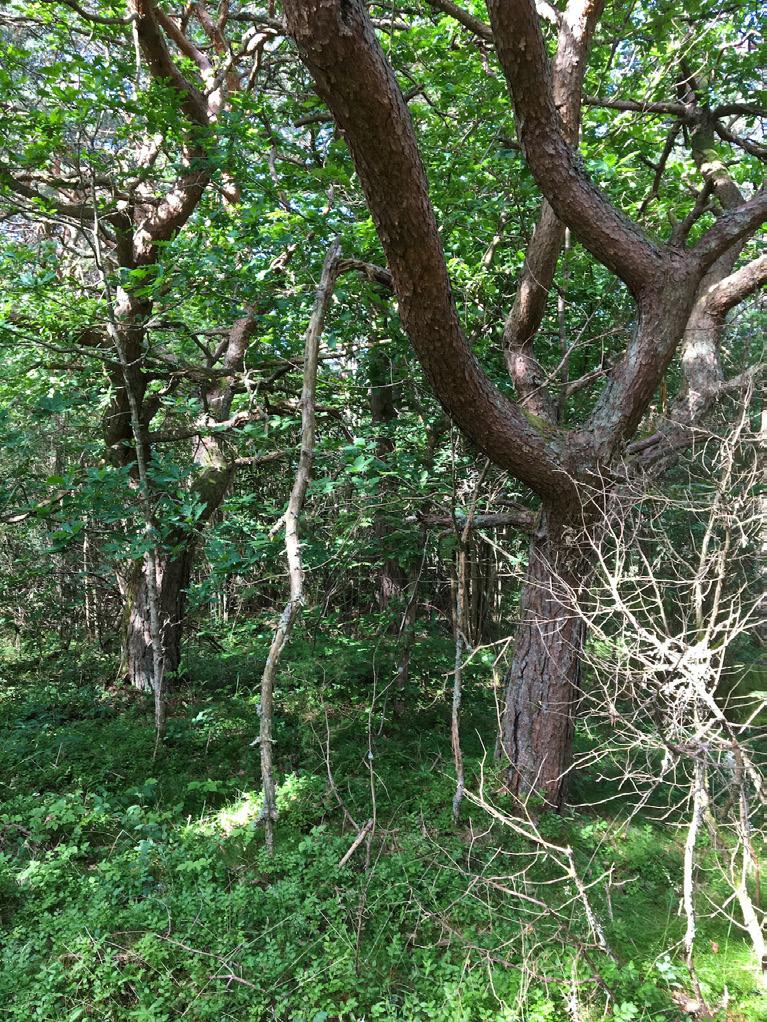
x,y
133,889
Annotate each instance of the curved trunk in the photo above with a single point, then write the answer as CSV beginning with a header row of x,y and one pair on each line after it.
x,y
543,683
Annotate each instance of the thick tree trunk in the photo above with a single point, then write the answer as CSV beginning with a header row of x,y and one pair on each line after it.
x,y
172,581
543,682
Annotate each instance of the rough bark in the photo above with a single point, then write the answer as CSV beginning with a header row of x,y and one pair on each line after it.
x,y
137,666
722,287
701,366
149,21
611,237
214,469
147,224
576,29
662,317
543,683
530,381
338,44
173,574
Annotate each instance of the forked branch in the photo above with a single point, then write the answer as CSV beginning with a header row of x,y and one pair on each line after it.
x,y
338,44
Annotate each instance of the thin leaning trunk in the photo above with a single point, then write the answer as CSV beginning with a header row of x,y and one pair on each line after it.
x,y
459,624
699,802
406,636
461,643
749,863
172,576
92,621
391,577
292,543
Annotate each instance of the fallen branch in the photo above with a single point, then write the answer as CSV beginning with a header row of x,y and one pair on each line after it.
x,y
356,843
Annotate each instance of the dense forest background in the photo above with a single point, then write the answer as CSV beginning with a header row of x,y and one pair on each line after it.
x,y
382,526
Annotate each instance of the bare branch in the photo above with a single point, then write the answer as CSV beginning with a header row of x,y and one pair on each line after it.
x,y
474,24
638,106
546,10
80,211
523,520
292,544
738,110
97,19
375,274
754,148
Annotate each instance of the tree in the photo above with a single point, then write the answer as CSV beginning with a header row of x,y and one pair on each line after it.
x,y
185,147
669,281
122,193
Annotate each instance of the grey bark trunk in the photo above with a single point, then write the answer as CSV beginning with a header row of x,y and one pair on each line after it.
x,y
173,573
543,683
137,666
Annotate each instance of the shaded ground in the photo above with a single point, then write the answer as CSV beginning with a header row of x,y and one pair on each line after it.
x,y
139,890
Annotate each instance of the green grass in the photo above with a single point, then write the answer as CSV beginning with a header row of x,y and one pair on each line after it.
x,y
139,890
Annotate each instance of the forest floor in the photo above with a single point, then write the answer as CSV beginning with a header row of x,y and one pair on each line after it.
x,y
140,889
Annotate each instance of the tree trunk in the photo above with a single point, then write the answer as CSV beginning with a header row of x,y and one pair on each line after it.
x,y
543,683
173,573
391,576
172,581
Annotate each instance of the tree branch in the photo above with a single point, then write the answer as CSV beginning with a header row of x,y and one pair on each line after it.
x,y
175,208
375,274
338,44
292,544
153,46
522,519
638,106
220,394
474,24
754,148
185,45
479,27
97,19
81,211
260,459
728,293
733,226
575,32
611,237
738,110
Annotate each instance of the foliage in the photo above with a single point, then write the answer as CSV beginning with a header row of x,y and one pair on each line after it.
x,y
133,879
141,890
